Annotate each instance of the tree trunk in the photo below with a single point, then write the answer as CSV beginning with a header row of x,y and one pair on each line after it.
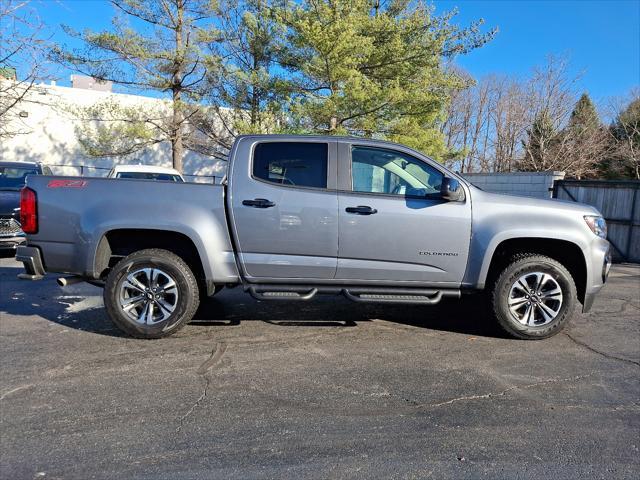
x,y
254,115
177,147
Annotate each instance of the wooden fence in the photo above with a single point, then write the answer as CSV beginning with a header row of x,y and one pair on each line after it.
x,y
619,203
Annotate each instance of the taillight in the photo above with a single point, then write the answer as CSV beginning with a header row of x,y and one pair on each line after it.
x,y
28,211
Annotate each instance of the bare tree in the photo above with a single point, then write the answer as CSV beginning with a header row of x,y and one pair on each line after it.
x,y
575,148
510,119
467,123
22,62
503,123
486,124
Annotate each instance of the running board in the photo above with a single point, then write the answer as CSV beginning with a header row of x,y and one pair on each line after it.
x,y
282,292
393,295
412,296
430,298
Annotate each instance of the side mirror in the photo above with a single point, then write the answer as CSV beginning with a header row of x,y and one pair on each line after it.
x,y
451,190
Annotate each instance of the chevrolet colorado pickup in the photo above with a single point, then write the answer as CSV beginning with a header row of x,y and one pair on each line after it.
x,y
300,216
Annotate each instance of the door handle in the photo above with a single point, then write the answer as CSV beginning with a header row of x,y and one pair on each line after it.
x,y
361,210
259,203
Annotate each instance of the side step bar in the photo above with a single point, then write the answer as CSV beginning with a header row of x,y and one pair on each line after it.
x,y
357,294
429,297
279,292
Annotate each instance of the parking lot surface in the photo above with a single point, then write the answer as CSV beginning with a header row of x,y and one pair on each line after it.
x,y
323,389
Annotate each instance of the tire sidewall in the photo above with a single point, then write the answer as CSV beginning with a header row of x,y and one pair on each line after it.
x,y
503,289
112,290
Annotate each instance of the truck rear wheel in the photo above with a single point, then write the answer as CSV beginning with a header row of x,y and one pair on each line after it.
x,y
534,297
151,293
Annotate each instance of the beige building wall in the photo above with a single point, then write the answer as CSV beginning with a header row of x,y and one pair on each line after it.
x,y
47,133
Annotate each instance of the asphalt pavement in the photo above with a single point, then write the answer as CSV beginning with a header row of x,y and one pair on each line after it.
x,y
321,389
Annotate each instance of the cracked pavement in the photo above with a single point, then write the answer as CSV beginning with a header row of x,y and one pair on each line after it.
x,y
324,389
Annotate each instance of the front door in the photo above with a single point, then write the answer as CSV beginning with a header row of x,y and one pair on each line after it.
x,y
393,224
285,209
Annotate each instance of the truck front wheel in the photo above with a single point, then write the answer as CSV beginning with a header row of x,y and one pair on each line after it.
x,y
534,297
151,293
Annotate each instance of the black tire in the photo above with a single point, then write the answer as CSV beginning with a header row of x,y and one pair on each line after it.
x,y
186,300
523,264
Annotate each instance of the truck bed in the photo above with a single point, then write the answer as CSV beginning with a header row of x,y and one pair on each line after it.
x,y
75,213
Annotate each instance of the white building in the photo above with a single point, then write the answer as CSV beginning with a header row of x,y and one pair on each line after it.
x,y
48,128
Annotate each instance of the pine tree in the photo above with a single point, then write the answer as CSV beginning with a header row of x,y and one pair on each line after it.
x,y
163,53
538,148
584,140
373,69
584,117
576,149
249,82
331,66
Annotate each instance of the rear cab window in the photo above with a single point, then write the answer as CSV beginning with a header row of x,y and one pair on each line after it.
x,y
293,164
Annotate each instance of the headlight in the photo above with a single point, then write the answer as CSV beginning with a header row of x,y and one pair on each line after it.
x,y
597,225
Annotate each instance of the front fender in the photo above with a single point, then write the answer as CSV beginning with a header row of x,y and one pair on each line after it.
x,y
499,218
484,249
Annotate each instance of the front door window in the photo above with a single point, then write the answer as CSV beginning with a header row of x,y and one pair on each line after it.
x,y
378,170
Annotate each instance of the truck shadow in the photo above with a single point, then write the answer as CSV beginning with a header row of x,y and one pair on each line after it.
x,y
229,308
80,307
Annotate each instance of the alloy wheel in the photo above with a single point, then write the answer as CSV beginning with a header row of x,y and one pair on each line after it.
x,y
535,299
148,296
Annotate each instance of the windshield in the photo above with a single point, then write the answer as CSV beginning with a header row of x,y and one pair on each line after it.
x,y
14,178
167,177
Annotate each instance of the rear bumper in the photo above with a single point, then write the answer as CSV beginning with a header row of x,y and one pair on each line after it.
x,y
32,261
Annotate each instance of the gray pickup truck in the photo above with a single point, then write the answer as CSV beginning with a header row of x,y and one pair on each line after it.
x,y
300,216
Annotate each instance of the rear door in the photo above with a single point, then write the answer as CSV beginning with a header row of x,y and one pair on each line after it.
x,y
284,207
394,227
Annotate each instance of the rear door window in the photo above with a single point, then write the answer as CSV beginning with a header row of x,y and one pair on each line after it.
x,y
293,164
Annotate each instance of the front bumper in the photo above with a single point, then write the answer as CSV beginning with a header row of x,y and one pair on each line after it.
x,y
11,234
32,261
601,268
11,243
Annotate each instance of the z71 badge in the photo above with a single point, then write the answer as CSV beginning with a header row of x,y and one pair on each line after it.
x,y
67,183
